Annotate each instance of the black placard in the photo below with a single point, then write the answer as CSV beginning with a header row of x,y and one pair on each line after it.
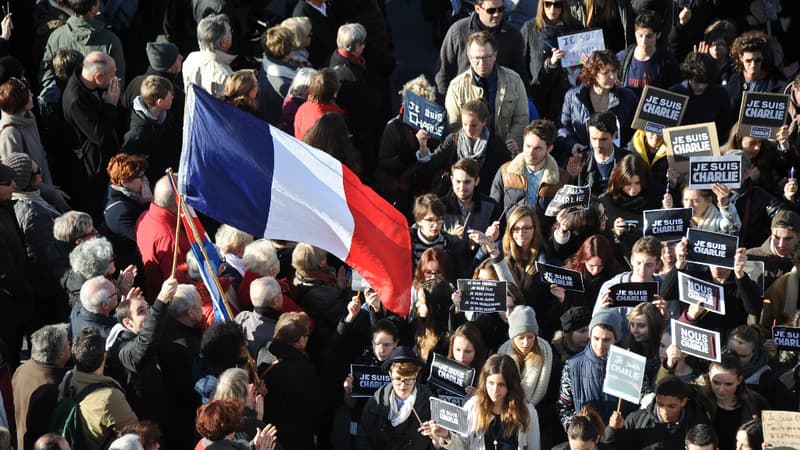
x,y
450,375
786,338
571,198
659,109
667,224
449,416
367,379
707,170
483,296
570,280
692,290
423,114
762,113
711,249
696,341
690,140
631,294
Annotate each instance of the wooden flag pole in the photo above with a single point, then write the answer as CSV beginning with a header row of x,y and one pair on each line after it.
x,y
177,229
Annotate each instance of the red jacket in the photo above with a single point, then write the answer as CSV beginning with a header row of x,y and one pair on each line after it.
x,y
155,237
308,113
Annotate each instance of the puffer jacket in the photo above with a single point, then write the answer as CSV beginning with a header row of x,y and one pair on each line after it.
x,y
376,432
511,102
510,185
577,109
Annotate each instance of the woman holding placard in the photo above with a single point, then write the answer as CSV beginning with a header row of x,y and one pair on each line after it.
x,y
772,165
719,218
498,415
646,324
467,347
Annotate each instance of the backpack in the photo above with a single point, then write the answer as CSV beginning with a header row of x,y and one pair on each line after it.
x,y
67,419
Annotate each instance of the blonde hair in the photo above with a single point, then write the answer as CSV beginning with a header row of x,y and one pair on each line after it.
x,y
300,28
420,86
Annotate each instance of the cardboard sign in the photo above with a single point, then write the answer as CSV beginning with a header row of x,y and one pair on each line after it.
x,y
710,248
696,341
450,375
367,379
659,109
786,338
761,114
781,429
422,114
707,170
667,224
755,270
580,44
690,140
570,280
692,290
449,416
569,197
624,374
483,296
631,294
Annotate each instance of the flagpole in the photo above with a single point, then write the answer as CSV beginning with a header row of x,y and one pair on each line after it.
x,y
177,232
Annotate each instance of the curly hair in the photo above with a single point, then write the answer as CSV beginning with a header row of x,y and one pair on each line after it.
x,y
700,68
124,167
598,61
753,42
219,418
92,258
420,86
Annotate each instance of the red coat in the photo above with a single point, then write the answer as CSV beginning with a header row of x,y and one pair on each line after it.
x,y
308,113
155,237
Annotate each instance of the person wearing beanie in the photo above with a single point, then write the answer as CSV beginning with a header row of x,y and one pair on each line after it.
x,y
534,358
574,333
35,217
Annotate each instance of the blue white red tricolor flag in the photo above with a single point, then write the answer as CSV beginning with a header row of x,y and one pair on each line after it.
x,y
252,176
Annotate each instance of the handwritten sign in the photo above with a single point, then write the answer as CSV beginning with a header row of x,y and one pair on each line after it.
x,y
570,280
450,375
580,44
449,416
483,296
696,341
710,248
624,374
659,109
690,140
667,224
692,290
761,114
707,170
631,294
569,197
786,338
422,114
367,379
781,429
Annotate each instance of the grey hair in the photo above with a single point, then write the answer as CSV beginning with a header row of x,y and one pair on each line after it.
x,y
96,63
95,291
193,265
260,257
128,441
264,290
48,342
301,81
350,36
186,297
230,239
232,385
69,226
300,28
92,258
211,31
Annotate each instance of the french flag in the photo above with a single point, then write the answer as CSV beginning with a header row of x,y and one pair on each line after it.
x,y
252,176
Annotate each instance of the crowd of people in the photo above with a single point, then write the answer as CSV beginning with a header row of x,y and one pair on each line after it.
x,y
106,315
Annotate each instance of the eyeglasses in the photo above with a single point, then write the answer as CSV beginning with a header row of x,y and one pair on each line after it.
x,y
482,58
432,220
493,11
526,229
406,381
558,5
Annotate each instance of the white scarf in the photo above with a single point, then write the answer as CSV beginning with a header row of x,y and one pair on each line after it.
x,y
400,415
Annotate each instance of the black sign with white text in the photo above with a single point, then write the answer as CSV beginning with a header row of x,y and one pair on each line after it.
x,y
571,198
422,114
762,113
450,375
786,338
659,109
707,170
449,416
631,294
711,249
483,296
667,224
696,341
690,140
570,280
367,379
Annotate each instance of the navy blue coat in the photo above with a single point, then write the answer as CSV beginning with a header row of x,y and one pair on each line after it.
x,y
578,108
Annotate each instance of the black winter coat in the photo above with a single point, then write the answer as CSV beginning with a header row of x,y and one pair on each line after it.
x,y
16,294
645,430
119,227
323,39
376,432
160,142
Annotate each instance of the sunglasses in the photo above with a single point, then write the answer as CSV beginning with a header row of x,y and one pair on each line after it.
x,y
492,11
558,5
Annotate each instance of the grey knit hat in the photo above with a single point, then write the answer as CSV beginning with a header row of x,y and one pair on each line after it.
x,y
161,55
22,166
608,317
522,320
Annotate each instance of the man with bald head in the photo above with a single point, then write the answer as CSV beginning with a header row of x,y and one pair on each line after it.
x,y
259,324
90,109
99,299
155,237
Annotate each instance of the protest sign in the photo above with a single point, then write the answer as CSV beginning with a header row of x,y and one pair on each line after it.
x,y
483,296
690,140
423,114
692,290
755,270
659,109
367,379
570,280
696,341
786,338
450,375
449,416
710,248
781,429
707,170
569,197
580,44
761,114
667,224
624,374
631,294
